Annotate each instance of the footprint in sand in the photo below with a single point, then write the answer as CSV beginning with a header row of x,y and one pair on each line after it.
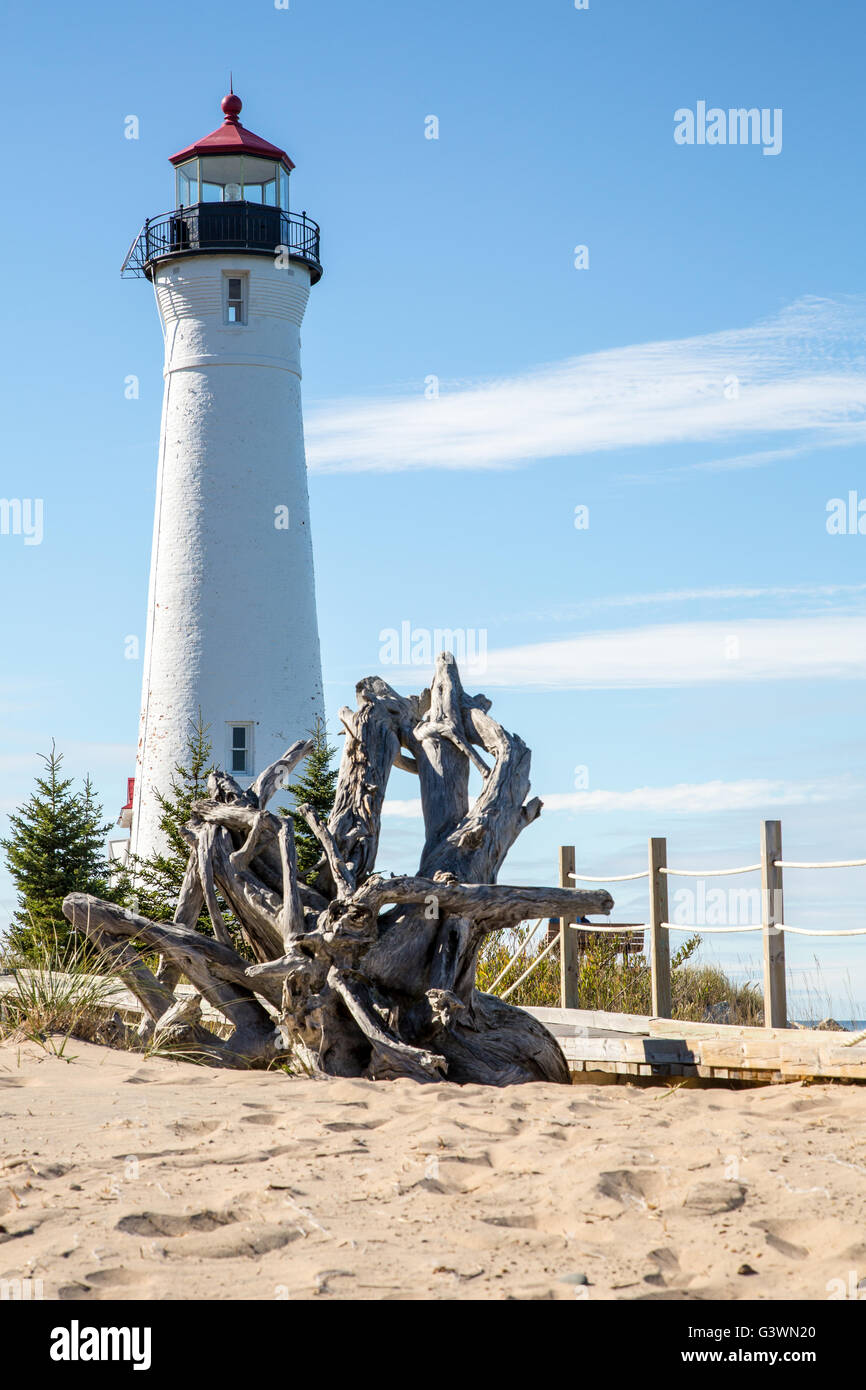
x,y
631,1187
342,1126
206,1234
70,1293
107,1284
714,1198
778,1235
50,1170
189,1128
239,1242
154,1223
521,1222
805,1105
667,1270
787,1248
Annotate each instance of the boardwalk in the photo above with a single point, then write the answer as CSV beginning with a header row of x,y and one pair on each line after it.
x,y
601,1046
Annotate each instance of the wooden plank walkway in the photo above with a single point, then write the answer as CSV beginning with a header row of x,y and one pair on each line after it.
x,y
602,1044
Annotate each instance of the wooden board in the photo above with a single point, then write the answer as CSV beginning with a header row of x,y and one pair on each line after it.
x,y
626,1044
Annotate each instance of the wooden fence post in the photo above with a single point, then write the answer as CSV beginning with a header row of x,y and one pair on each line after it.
x,y
659,938
773,912
569,953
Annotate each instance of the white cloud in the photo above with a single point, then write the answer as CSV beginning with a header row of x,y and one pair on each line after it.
x,y
718,594
692,798
799,371
702,798
684,654
811,597
403,810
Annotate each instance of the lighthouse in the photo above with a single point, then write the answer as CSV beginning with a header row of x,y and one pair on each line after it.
x,y
231,614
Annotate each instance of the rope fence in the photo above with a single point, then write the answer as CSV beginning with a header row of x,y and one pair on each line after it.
x,y
772,925
711,873
538,959
610,878
517,954
829,864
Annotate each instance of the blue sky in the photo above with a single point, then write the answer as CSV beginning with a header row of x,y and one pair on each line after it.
x,y
699,648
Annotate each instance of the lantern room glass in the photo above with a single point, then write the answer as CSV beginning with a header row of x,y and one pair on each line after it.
x,y
232,178
187,183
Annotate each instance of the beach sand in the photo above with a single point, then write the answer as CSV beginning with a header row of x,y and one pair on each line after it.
x,y
122,1177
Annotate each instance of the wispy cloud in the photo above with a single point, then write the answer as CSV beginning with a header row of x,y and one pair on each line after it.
x,y
732,591
735,463
815,595
701,798
684,798
403,810
801,371
678,654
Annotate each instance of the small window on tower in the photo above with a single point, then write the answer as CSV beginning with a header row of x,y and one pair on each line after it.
x,y
240,748
235,298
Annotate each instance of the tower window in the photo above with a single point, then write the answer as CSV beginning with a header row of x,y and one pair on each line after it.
x,y
240,749
235,307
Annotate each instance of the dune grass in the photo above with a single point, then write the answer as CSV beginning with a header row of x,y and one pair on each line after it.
x,y
60,990
613,984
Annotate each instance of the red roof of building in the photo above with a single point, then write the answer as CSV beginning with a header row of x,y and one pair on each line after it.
x,y
232,138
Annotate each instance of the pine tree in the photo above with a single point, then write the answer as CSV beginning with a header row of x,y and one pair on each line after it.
x,y
151,886
56,846
316,786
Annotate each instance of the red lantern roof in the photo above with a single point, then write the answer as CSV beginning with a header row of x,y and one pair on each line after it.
x,y
232,138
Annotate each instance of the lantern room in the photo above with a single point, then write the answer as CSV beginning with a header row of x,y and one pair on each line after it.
x,y
232,165
231,194
231,178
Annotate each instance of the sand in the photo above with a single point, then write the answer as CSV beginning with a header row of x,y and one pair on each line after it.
x,y
129,1178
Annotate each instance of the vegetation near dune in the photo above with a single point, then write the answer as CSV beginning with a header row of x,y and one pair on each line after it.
x,y
60,989
613,985
56,845
152,885
316,787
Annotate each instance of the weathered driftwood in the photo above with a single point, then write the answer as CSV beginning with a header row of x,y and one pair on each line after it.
x,y
360,974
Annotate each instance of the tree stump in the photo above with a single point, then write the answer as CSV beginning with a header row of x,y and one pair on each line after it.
x,y
358,974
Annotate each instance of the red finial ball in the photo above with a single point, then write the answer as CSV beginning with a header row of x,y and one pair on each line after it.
x,y
232,106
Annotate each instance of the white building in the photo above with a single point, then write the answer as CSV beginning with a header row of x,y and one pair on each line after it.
x,y
231,618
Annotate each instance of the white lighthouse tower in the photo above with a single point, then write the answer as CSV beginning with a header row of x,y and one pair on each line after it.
x,y
231,619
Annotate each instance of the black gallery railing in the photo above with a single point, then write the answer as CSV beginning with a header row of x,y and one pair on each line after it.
x,y
224,227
